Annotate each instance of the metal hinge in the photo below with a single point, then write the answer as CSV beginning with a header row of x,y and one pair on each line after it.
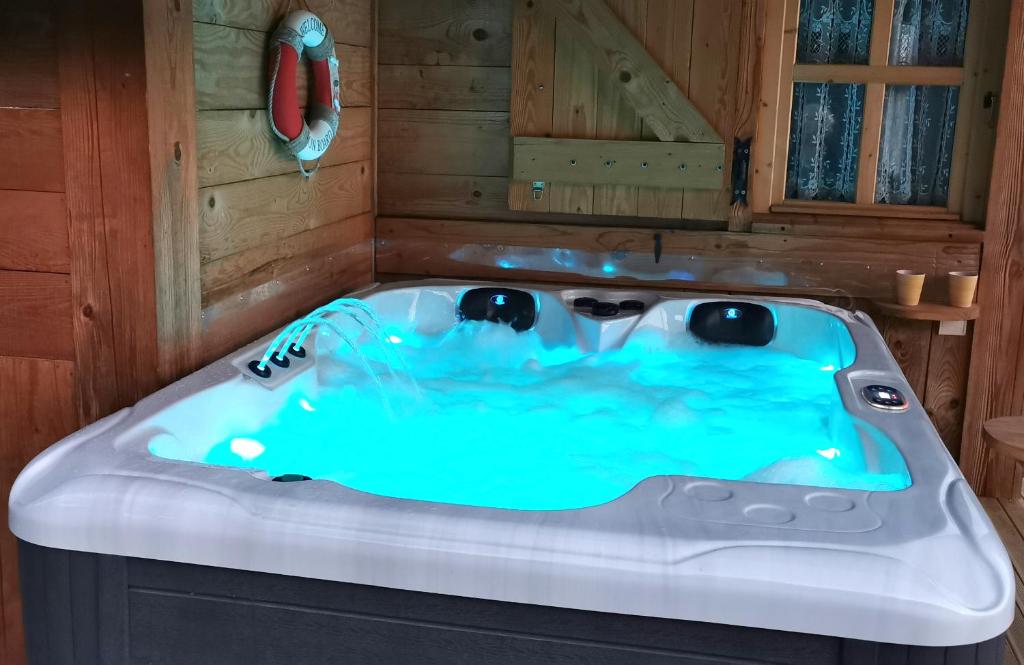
x,y
740,170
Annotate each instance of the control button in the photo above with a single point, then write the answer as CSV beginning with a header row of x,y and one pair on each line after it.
x,y
829,503
708,492
886,398
768,514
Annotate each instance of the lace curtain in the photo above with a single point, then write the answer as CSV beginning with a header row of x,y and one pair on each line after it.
x,y
919,124
827,118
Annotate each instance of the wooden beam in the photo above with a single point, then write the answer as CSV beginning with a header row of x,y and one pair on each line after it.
x,y
95,345
640,163
688,260
997,357
884,74
171,109
652,92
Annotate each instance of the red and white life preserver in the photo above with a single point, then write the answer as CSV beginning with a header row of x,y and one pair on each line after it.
x,y
299,33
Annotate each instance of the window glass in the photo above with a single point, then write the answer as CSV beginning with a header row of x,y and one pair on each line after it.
x,y
918,129
928,32
834,31
825,141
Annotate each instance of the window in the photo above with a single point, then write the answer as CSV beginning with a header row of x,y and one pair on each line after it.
x,y
870,104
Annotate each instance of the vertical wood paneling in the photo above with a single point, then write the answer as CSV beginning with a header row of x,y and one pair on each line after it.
x,y
616,117
533,78
669,41
97,384
170,105
120,70
574,113
997,356
713,80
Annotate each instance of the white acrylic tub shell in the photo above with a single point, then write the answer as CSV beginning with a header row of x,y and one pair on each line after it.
x,y
920,566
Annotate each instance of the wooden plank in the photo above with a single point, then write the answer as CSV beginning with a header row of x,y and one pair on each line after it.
x,y
30,141
33,231
998,350
895,228
237,145
243,215
37,410
446,32
748,87
443,142
261,264
617,118
774,99
713,70
28,61
37,315
784,100
533,79
230,71
446,196
669,39
989,76
127,198
882,74
573,114
794,206
711,260
946,386
348,20
170,108
90,313
444,88
299,286
642,163
641,80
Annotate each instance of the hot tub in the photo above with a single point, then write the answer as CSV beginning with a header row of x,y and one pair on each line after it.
x,y
478,473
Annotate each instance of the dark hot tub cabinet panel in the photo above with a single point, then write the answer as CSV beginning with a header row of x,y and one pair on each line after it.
x,y
84,609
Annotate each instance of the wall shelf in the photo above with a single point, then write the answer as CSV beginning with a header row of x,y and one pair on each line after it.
x,y
927,311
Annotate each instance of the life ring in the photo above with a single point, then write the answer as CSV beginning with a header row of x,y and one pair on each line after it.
x,y
299,33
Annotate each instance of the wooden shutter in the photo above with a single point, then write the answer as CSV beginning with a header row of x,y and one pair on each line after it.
x,y
619,106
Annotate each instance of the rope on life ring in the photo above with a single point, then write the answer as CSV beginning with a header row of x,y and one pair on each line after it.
x,y
302,32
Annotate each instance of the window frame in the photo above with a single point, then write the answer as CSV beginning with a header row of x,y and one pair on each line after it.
x,y
780,72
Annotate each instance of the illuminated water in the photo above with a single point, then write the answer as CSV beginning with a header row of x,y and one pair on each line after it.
x,y
504,422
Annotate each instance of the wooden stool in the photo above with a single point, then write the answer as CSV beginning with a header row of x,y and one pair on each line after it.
x,y
1006,437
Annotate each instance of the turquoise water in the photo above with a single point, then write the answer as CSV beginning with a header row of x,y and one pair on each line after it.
x,y
497,419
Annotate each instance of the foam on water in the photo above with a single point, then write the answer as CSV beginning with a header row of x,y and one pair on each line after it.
x,y
501,420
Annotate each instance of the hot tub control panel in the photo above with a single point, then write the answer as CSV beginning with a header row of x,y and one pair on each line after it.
x,y
885,398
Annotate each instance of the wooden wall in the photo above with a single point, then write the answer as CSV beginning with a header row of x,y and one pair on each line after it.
x,y
77,326
444,96
272,244
997,372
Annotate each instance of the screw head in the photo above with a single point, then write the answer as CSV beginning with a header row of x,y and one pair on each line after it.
x,y
643,165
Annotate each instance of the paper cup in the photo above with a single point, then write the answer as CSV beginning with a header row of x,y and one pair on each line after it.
x,y
908,287
962,286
